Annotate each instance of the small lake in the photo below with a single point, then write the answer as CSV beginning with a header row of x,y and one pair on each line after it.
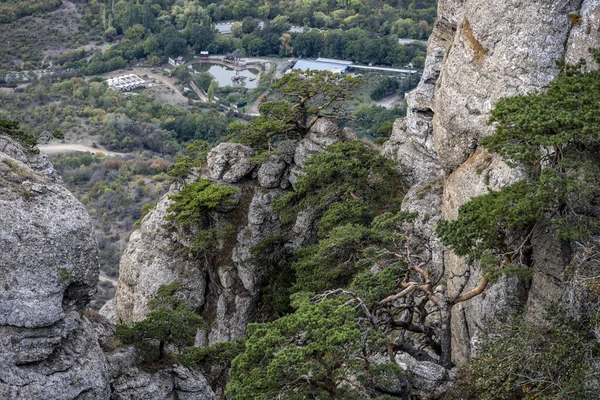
x,y
224,74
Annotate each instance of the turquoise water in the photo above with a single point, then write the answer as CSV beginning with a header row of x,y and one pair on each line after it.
x,y
223,75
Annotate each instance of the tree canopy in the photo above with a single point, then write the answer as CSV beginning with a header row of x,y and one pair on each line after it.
x,y
301,99
554,138
169,323
309,353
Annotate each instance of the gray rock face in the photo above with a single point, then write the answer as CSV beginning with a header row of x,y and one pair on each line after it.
x,y
143,268
549,282
481,51
426,378
175,382
271,172
499,49
224,286
230,162
411,141
324,133
585,34
49,271
77,369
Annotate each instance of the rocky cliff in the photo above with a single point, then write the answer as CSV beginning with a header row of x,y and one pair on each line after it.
x,y
48,272
224,287
481,51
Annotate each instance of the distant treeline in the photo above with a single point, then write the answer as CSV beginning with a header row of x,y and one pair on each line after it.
x,y
155,30
11,10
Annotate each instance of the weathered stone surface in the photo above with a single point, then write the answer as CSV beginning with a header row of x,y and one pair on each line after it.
x,y
411,142
499,49
271,172
480,173
478,53
548,285
171,383
426,378
242,277
155,255
49,271
77,369
324,132
109,311
426,200
224,286
585,34
230,162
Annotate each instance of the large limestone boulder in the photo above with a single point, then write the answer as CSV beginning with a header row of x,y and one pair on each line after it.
x,y
48,272
230,162
130,381
427,379
156,255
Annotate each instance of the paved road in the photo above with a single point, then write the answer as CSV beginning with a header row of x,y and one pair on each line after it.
x,y
70,148
199,92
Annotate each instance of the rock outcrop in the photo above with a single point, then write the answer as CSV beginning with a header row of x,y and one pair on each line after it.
x,y
224,287
49,270
481,51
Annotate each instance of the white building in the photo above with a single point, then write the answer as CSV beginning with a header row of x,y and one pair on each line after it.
x,y
126,82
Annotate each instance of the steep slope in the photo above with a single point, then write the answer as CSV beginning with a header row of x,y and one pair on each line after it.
x,y
225,286
49,270
49,349
481,51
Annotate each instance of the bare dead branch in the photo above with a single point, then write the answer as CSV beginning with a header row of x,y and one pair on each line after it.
x,y
396,296
472,293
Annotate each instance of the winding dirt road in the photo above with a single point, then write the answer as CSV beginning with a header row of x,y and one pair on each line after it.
x,y
70,148
104,277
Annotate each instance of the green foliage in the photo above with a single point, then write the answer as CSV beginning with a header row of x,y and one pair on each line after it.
x,y
217,354
333,261
11,10
273,254
347,185
548,128
307,354
348,182
386,87
303,98
518,360
167,296
191,206
372,288
146,208
194,158
485,221
386,375
161,327
347,251
553,137
27,140
275,121
64,275
372,120
169,323
108,188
